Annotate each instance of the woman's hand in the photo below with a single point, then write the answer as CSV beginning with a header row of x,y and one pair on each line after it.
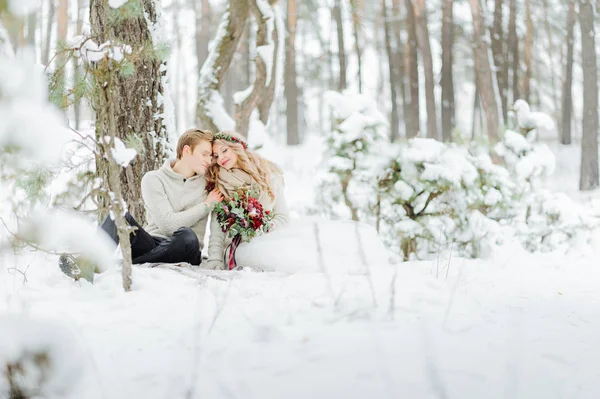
x,y
213,197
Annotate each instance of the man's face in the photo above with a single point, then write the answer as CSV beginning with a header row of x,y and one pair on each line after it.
x,y
199,158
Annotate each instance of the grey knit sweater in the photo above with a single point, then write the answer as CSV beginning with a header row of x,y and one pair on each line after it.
x,y
173,202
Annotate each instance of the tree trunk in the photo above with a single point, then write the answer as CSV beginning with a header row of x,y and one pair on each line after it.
x,y
393,73
425,47
356,9
337,15
513,51
210,112
484,75
62,23
291,84
275,80
76,67
550,55
499,55
268,36
528,52
46,49
567,92
399,50
136,105
412,72
203,20
31,27
448,115
589,143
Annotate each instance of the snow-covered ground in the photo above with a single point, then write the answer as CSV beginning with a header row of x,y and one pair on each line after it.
x,y
516,325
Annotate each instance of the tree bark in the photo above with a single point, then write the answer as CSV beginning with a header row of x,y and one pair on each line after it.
x,y
528,52
210,112
589,143
484,74
567,91
291,84
513,51
337,15
393,73
135,98
412,72
425,47
448,113
499,55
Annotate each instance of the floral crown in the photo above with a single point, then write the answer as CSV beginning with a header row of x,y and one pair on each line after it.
x,y
231,139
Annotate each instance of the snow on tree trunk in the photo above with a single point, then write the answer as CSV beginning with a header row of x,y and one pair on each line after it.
x,y
210,111
589,142
139,97
269,61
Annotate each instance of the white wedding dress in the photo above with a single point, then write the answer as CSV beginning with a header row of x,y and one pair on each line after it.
x,y
315,245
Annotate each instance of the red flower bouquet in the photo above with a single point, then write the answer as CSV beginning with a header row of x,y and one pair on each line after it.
x,y
242,218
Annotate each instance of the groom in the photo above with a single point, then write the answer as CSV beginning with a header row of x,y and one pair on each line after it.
x,y
177,208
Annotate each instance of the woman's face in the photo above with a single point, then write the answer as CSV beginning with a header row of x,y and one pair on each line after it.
x,y
224,155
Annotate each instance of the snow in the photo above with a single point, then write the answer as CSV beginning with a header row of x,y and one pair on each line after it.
x,y
266,53
514,324
61,230
216,109
24,93
471,324
121,154
24,338
240,96
116,3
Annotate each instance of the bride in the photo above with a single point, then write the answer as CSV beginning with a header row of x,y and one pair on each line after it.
x,y
307,245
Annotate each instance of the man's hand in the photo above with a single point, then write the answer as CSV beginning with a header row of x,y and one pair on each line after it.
x,y
213,197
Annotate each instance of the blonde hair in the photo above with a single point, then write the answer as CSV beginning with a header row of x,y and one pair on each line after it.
x,y
259,168
191,137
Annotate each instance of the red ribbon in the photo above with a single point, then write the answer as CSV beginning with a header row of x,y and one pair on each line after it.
x,y
231,253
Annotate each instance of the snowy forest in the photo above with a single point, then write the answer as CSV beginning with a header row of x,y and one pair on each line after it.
x,y
440,164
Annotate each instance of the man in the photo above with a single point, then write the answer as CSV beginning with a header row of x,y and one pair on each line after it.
x,y
177,208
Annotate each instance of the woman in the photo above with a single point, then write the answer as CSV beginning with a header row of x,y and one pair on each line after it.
x,y
237,167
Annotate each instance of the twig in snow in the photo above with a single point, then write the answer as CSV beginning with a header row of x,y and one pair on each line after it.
x,y
363,258
322,265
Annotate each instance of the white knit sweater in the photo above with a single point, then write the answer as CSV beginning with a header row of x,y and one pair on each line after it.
x,y
173,202
218,241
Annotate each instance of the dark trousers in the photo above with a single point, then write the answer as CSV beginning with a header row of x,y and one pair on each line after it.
x,y
182,246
